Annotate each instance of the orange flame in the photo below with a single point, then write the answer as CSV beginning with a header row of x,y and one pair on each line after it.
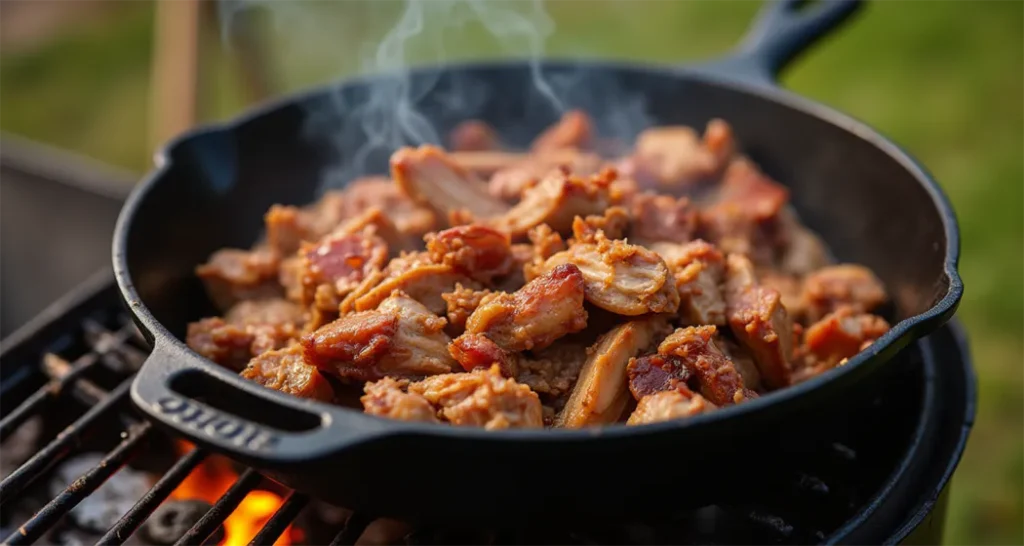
x,y
211,479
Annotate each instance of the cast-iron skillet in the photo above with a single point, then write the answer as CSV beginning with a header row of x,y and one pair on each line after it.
x,y
871,202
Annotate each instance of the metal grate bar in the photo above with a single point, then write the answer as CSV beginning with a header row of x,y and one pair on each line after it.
x,y
46,394
354,527
82,487
281,519
220,511
134,518
56,450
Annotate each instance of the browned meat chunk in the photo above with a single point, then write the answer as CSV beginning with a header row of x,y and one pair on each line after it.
x,y
843,334
557,201
336,264
461,303
803,251
409,218
288,227
655,373
663,218
252,328
388,398
232,275
509,182
285,370
473,351
226,344
478,252
744,218
473,136
533,317
401,338
375,222
613,223
830,288
699,269
790,289
669,405
274,311
431,178
622,278
759,321
718,378
424,283
572,131
601,392
482,398
676,159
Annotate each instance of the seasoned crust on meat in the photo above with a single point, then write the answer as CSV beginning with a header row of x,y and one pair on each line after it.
x,y
759,321
845,285
388,398
479,252
699,270
696,348
429,177
424,284
622,278
482,398
287,371
462,302
557,200
669,405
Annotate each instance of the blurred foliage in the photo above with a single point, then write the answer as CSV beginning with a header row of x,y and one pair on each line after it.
x,y
943,79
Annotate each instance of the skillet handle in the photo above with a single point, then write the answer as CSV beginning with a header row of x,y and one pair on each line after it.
x,y
780,34
217,409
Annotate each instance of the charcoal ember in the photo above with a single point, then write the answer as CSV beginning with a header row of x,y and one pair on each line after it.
x,y
100,510
174,518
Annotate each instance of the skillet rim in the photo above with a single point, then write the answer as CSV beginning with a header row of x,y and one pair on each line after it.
x,y
371,427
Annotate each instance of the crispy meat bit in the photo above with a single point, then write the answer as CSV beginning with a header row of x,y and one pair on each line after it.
x,y
479,252
461,303
533,317
759,321
553,371
745,216
285,370
408,217
842,334
474,351
251,328
473,136
226,344
622,278
335,265
429,177
546,242
557,200
699,270
601,392
288,227
375,222
669,405
425,284
482,398
830,288
401,338
510,182
388,398
655,373
663,218
232,275
613,223
676,159
719,381
572,131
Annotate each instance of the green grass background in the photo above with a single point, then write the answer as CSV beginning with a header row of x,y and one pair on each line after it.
x,y
945,79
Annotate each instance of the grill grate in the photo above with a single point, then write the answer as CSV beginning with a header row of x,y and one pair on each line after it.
x,y
92,361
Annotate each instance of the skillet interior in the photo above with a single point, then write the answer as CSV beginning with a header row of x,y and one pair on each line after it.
x,y
866,205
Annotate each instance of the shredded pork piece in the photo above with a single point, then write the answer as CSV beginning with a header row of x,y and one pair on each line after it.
x,y
288,227
249,329
699,270
572,131
478,252
622,278
695,347
533,317
408,217
844,285
473,351
233,275
429,177
557,200
842,334
388,398
338,263
613,223
401,338
676,159
759,321
286,370
601,392
663,218
482,398
425,284
669,405
461,303
510,182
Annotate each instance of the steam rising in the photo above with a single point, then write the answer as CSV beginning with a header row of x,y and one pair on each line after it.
x,y
365,124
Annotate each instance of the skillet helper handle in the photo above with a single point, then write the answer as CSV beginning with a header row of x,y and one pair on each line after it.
x,y
176,388
783,30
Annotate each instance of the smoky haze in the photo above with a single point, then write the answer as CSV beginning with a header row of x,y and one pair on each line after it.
x,y
401,105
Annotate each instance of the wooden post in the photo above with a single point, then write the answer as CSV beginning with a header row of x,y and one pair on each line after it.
x,y
175,79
